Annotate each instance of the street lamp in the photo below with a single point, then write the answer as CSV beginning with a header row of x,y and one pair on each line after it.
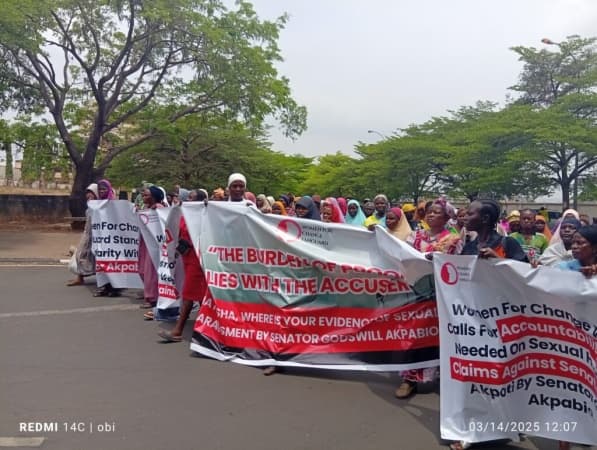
x,y
548,41
377,132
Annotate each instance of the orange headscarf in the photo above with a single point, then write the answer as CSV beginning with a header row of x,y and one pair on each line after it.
x,y
546,230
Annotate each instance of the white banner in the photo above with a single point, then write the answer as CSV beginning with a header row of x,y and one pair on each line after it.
x,y
518,351
170,268
115,243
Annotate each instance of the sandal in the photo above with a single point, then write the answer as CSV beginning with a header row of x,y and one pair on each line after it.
x,y
114,293
167,336
460,445
75,282
101,292
148,315
147,305
406,389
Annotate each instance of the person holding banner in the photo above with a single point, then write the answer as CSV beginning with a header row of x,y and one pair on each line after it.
x,y
354,214
84,259
379,216
279,209
237,186
436,239
305,209
482,217
194,286
397,224
105,192
331,212
152,199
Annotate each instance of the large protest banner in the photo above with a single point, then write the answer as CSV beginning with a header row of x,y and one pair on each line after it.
x,y
518,350
170,268
287,291
159,228
115,243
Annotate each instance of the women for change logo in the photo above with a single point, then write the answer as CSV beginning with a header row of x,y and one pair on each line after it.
x,y
449,273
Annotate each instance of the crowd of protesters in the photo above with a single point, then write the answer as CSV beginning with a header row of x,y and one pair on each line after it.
x,y
480,228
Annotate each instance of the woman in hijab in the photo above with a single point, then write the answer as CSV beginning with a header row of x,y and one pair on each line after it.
x,y
397,225
354,214
541,226
105,192
331,212
584,251
306,209
84,257
560,250
263,204
279,209
153,198
568,213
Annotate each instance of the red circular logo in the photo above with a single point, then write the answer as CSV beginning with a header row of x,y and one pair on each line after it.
x,y
144,218
289,230
449,273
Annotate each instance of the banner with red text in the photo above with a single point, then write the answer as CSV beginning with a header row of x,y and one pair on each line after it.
x,y
518,351
115,243
170,268
294,292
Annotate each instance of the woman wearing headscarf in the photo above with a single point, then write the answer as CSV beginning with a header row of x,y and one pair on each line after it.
x,y
513,221
263,204
331,212
397,225
379,216
288,205
84,257
568,213
541,226
354,214
279,209
560,250
306,209
105,192
153,198
437,239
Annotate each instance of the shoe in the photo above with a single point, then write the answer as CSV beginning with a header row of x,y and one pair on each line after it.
x,y
114,293
147,305
459,445
167,336
148,315
406,389
101,292
270,370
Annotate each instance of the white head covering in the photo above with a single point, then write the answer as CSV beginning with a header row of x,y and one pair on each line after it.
x,y
93,188
165,201
236,177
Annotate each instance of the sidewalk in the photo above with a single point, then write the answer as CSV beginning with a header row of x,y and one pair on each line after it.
x,y
49,244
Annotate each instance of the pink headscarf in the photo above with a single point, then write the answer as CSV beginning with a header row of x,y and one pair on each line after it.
x,y
111,195
342,204
337,216
250,196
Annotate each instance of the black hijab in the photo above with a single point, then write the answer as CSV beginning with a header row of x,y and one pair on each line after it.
x,y
312,211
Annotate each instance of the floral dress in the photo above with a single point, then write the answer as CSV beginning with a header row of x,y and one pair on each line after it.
x,y
444,242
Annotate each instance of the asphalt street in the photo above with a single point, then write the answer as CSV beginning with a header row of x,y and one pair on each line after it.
x,y
95,375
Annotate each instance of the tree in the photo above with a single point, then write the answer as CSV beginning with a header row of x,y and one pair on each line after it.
x,y
101,67
200,152
561,85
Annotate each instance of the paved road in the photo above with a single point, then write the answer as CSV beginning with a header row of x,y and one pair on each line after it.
x,y
68,357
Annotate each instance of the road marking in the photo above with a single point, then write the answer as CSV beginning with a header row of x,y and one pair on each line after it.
x,y
21,441
56,312
9,265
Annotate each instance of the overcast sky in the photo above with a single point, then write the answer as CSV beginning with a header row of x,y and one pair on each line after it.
x,y
384,64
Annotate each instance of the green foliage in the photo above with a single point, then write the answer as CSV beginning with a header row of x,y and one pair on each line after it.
x,y
102,67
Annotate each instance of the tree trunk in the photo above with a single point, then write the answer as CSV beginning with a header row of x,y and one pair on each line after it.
x,y
565,185
9,175
77,203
